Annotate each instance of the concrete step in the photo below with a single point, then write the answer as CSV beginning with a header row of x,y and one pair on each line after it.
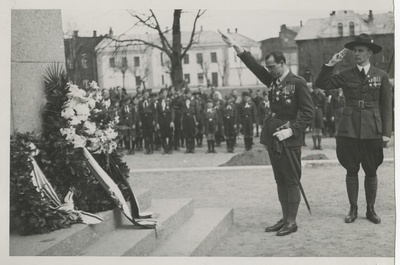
x,y
128,241
199,235
71,241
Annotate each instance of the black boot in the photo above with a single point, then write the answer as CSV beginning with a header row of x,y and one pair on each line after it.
x,y
319,142
283,199
352,193
371,186
314,139
208,146
290,226
213,146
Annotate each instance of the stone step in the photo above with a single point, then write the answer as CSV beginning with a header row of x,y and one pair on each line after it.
x,y
199,235
128,241
71,241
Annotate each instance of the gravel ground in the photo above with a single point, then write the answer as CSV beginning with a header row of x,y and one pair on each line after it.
x,y
252,194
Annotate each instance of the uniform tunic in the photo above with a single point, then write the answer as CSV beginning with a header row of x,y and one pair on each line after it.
x,y
247,115
165,115
190,116
319,100
290,101
229,113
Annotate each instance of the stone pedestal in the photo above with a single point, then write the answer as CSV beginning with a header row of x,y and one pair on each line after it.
x,y
36,42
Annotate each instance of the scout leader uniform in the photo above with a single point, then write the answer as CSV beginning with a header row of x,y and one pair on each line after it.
x,y
290,101
219,137
210,120
366,117
190,116
229,113
147,114
128,124
200,127
165,120
247,116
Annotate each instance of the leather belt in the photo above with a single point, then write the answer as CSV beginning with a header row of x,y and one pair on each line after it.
x,y
362,104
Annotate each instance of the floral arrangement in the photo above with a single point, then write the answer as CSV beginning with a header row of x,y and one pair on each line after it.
x,y
72,118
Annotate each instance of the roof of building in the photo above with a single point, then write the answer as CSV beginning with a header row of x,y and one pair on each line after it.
x,y
320,28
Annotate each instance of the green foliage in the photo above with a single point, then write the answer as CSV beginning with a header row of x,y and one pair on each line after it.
x,y
28,209
63,165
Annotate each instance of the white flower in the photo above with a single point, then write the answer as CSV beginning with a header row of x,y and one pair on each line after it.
x,y
116,119
111,134
94,85
91,103
96,110
107,103
67,113
98,96
82,109
90,127
69,133
74,121
79,141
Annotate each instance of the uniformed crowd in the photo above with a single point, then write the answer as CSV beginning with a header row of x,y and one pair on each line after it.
x,y
173,119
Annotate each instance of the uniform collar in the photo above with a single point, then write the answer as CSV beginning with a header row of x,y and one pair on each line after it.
x,y
283,76
366,68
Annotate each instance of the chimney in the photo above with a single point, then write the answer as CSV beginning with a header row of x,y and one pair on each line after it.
x,y
283,27
94,33
301,23
235,30
75,34
110,33
228,30
332,13
370,16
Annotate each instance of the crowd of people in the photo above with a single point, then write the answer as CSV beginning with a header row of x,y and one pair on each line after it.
x,y
172,119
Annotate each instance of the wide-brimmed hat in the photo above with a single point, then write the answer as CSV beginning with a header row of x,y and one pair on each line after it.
x,y
364,40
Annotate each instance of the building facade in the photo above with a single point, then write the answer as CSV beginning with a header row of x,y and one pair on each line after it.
x,y
80,57
319,39
208,62
286,44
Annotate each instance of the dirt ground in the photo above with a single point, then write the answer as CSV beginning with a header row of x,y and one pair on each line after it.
x,y
252,194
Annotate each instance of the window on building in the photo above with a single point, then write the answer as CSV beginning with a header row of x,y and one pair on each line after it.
x,y
124,62
199,57
187,78
138,80
162,59
200,78
112,62
214,79
186,59
69,63
351,26
84,62
213,57
340,29
85,83
136,61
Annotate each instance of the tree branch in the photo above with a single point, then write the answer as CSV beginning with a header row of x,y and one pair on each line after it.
x,y
199,14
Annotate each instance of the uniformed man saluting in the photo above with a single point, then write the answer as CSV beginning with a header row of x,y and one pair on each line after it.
x,y
291,102
366,120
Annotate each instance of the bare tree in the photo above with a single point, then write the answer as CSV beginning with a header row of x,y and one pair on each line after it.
x,y
205,66
223,69
175,51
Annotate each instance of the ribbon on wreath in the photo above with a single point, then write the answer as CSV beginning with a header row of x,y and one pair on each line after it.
x,y
116,194
43,186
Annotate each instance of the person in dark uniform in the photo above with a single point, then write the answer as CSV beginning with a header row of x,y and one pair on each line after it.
x,y
292,111
229,113
247,115
257,99
337,106
218,103
317,124
190,117
366,121
176,99
165,121
200,128
210,121
128,124
157,137
147,112
264,109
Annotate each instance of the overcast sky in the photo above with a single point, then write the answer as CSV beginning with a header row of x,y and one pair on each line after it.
x,y
257,24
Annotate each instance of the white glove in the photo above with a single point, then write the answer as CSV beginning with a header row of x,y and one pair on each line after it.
x,y
283,134
227,39
386,139
337,57
172,125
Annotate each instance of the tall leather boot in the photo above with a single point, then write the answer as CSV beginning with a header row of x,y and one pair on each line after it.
x,y
319,142
290,226
371,187
246,143
314,139
352,193
283,199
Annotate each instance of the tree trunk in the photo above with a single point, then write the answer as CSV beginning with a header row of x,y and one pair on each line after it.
x,y
176,61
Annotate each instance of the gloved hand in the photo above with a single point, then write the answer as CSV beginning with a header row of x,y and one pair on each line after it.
x,y
172,125
227,39
386,139
283,134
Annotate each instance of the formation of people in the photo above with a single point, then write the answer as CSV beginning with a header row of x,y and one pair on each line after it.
x,y
172,119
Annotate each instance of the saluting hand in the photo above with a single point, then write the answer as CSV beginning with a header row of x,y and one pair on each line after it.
x,y
227,39
337,57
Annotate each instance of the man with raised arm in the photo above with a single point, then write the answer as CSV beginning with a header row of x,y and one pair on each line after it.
x,y
366,121
292,111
